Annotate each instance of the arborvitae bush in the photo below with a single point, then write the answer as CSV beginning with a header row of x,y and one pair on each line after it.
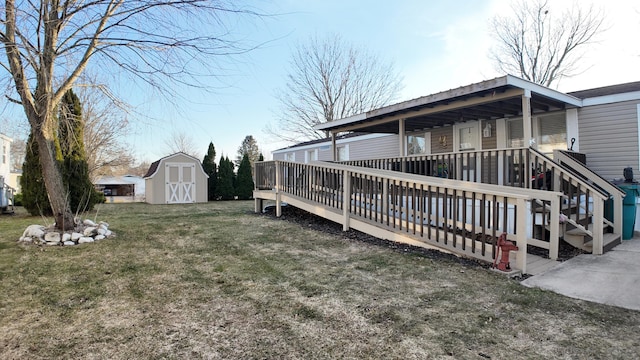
x,y
210,168
34,193
226,179
75,169
244,182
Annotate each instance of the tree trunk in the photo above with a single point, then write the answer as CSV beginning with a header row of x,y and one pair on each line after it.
x,y
58,197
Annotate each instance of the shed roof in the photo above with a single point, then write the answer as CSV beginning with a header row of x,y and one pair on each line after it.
x,y
154,166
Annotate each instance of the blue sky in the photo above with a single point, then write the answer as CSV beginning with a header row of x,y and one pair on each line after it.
x,y
435,45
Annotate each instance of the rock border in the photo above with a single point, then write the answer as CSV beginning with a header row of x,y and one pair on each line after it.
x,y
86,231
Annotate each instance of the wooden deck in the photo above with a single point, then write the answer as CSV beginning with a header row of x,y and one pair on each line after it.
x,y
450,214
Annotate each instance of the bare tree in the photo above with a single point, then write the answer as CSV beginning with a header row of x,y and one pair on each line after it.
x,y
139,169
182,142
329,80
50,43
105,127
249,147
542,45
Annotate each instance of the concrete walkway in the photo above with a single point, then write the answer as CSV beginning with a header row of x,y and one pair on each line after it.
x,y
612,278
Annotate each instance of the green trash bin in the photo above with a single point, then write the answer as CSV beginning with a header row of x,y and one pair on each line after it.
x,y
629,209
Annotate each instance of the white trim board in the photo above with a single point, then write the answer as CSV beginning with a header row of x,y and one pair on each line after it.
x,y
328,143
614,98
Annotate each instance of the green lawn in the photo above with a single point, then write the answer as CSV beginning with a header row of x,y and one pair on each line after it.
x,y
216,281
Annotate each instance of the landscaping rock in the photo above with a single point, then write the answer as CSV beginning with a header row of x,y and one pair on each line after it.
x,y
86,231
34,231
52,236
85,239
90,231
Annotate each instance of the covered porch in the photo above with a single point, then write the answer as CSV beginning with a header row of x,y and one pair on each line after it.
x,y
505,112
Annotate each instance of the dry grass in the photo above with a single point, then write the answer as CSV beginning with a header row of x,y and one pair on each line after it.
x,y
216,281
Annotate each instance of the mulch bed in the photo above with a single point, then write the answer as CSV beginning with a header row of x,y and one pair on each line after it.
x,y
298,216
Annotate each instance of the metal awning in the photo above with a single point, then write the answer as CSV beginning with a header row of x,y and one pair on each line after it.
x,y
492,99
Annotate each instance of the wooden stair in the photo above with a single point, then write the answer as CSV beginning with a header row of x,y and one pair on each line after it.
x,y
580,239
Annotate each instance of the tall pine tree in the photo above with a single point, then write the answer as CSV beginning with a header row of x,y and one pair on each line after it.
x,y
75,170
226,179
34,193
210,168
244,183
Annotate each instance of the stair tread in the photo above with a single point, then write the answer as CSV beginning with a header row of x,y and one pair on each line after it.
x,y
578,231
606,239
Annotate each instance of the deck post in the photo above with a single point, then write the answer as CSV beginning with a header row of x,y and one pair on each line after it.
x,y
526,120
402,142
554,228
598,230
334,148
277,189
523,213
346,200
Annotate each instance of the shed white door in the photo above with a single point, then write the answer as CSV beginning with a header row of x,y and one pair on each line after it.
x,y
180,183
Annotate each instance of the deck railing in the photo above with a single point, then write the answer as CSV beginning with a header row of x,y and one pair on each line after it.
x,y
439,212
526,168
615,194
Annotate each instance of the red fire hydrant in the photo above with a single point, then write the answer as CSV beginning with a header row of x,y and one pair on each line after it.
x,y
504,246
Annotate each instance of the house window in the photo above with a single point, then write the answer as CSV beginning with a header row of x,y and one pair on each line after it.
x,y
416,144
290,157
311,155
468,138
552,133
343,153
515,133
4,154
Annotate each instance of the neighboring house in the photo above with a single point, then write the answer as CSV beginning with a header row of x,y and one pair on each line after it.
x,y
14,180
5,163
6,191
176,179
128,188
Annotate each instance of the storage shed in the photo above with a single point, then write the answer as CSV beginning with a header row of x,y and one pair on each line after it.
x,y
176,179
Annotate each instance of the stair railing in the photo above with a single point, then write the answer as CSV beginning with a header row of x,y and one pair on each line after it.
x,y
616,194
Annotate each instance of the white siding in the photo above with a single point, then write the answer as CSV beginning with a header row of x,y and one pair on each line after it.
x,y
380,147
609,137
361,147
5,161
